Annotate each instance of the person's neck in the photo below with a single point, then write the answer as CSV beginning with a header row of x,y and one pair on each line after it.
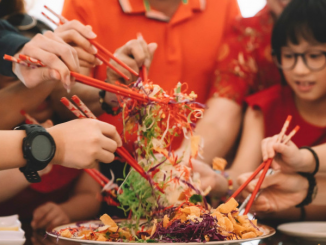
x,y
168,7
313,112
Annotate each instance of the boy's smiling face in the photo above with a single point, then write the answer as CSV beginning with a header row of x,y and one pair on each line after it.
x,y
308,84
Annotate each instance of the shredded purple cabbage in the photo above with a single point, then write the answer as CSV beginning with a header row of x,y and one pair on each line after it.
x,y
189,231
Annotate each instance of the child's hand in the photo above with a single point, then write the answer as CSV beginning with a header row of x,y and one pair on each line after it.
x,y
48,216
280,191
287,157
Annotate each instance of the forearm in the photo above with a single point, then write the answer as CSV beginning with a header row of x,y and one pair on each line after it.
x,y
17,97
11,149
321,194
321,153
219,127
81,206
14,181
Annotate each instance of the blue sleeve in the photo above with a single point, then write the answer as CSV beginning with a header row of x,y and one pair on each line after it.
x,y
10,42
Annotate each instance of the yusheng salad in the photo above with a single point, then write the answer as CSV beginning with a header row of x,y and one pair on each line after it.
x,y
179,213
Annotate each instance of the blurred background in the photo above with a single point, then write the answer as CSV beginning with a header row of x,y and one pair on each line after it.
x,y
248,7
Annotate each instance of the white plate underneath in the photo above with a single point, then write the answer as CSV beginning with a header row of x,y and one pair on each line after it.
x,y
12,241
268,231
314,231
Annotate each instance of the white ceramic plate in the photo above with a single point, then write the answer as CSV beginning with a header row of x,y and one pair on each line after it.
x,y
314,231
12,241
268,231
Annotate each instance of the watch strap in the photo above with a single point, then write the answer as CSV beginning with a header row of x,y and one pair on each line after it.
x,y
30,174
29,171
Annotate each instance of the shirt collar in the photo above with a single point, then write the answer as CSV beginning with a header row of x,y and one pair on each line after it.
x,y
138,7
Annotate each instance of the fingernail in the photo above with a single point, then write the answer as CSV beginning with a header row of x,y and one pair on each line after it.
x,y
100,62
92,35
94,49
54,75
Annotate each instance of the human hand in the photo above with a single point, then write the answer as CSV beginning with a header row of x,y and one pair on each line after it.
x,y
280,191
49,216
82,143
134,53
287,157
208,177
59,58
76,34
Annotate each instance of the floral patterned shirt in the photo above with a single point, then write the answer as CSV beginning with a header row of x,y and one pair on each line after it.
x,y
245,64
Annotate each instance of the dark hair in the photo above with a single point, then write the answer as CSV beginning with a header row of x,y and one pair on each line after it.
x,y
300,19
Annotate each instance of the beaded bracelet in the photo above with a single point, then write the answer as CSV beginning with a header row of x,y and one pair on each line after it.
x,y
315,157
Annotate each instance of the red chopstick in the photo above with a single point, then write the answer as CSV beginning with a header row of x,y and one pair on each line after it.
x,y
120,150
98,46
265,166
143,70
90,81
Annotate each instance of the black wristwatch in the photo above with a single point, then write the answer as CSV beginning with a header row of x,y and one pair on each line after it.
x,y
38,149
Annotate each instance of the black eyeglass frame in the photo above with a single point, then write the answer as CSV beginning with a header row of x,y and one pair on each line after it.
x,y
277,60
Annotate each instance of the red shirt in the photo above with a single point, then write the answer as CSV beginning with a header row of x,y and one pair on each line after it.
x,y
188,43
276,103
245,65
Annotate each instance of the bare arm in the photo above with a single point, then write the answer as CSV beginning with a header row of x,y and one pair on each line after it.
x,y
219,127
11,149
16,97
14,180
83,204
249,156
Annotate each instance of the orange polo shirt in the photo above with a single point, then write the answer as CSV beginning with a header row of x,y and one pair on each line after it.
x,y
188,43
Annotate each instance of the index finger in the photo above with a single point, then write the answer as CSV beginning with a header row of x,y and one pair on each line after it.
x,y
85,31
111,132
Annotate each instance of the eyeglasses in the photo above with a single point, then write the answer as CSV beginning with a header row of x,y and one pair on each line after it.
x,y
315,60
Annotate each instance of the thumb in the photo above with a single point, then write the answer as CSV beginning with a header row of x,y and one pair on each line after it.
x,y
152,47
271,180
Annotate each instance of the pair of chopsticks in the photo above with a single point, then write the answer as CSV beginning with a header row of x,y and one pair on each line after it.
x,y
100,48
34,63
84,112
94,173
265,168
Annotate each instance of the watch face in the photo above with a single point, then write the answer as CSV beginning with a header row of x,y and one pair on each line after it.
x,y
41,148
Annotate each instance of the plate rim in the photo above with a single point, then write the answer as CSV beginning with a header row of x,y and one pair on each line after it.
x,y
302,233
271,232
